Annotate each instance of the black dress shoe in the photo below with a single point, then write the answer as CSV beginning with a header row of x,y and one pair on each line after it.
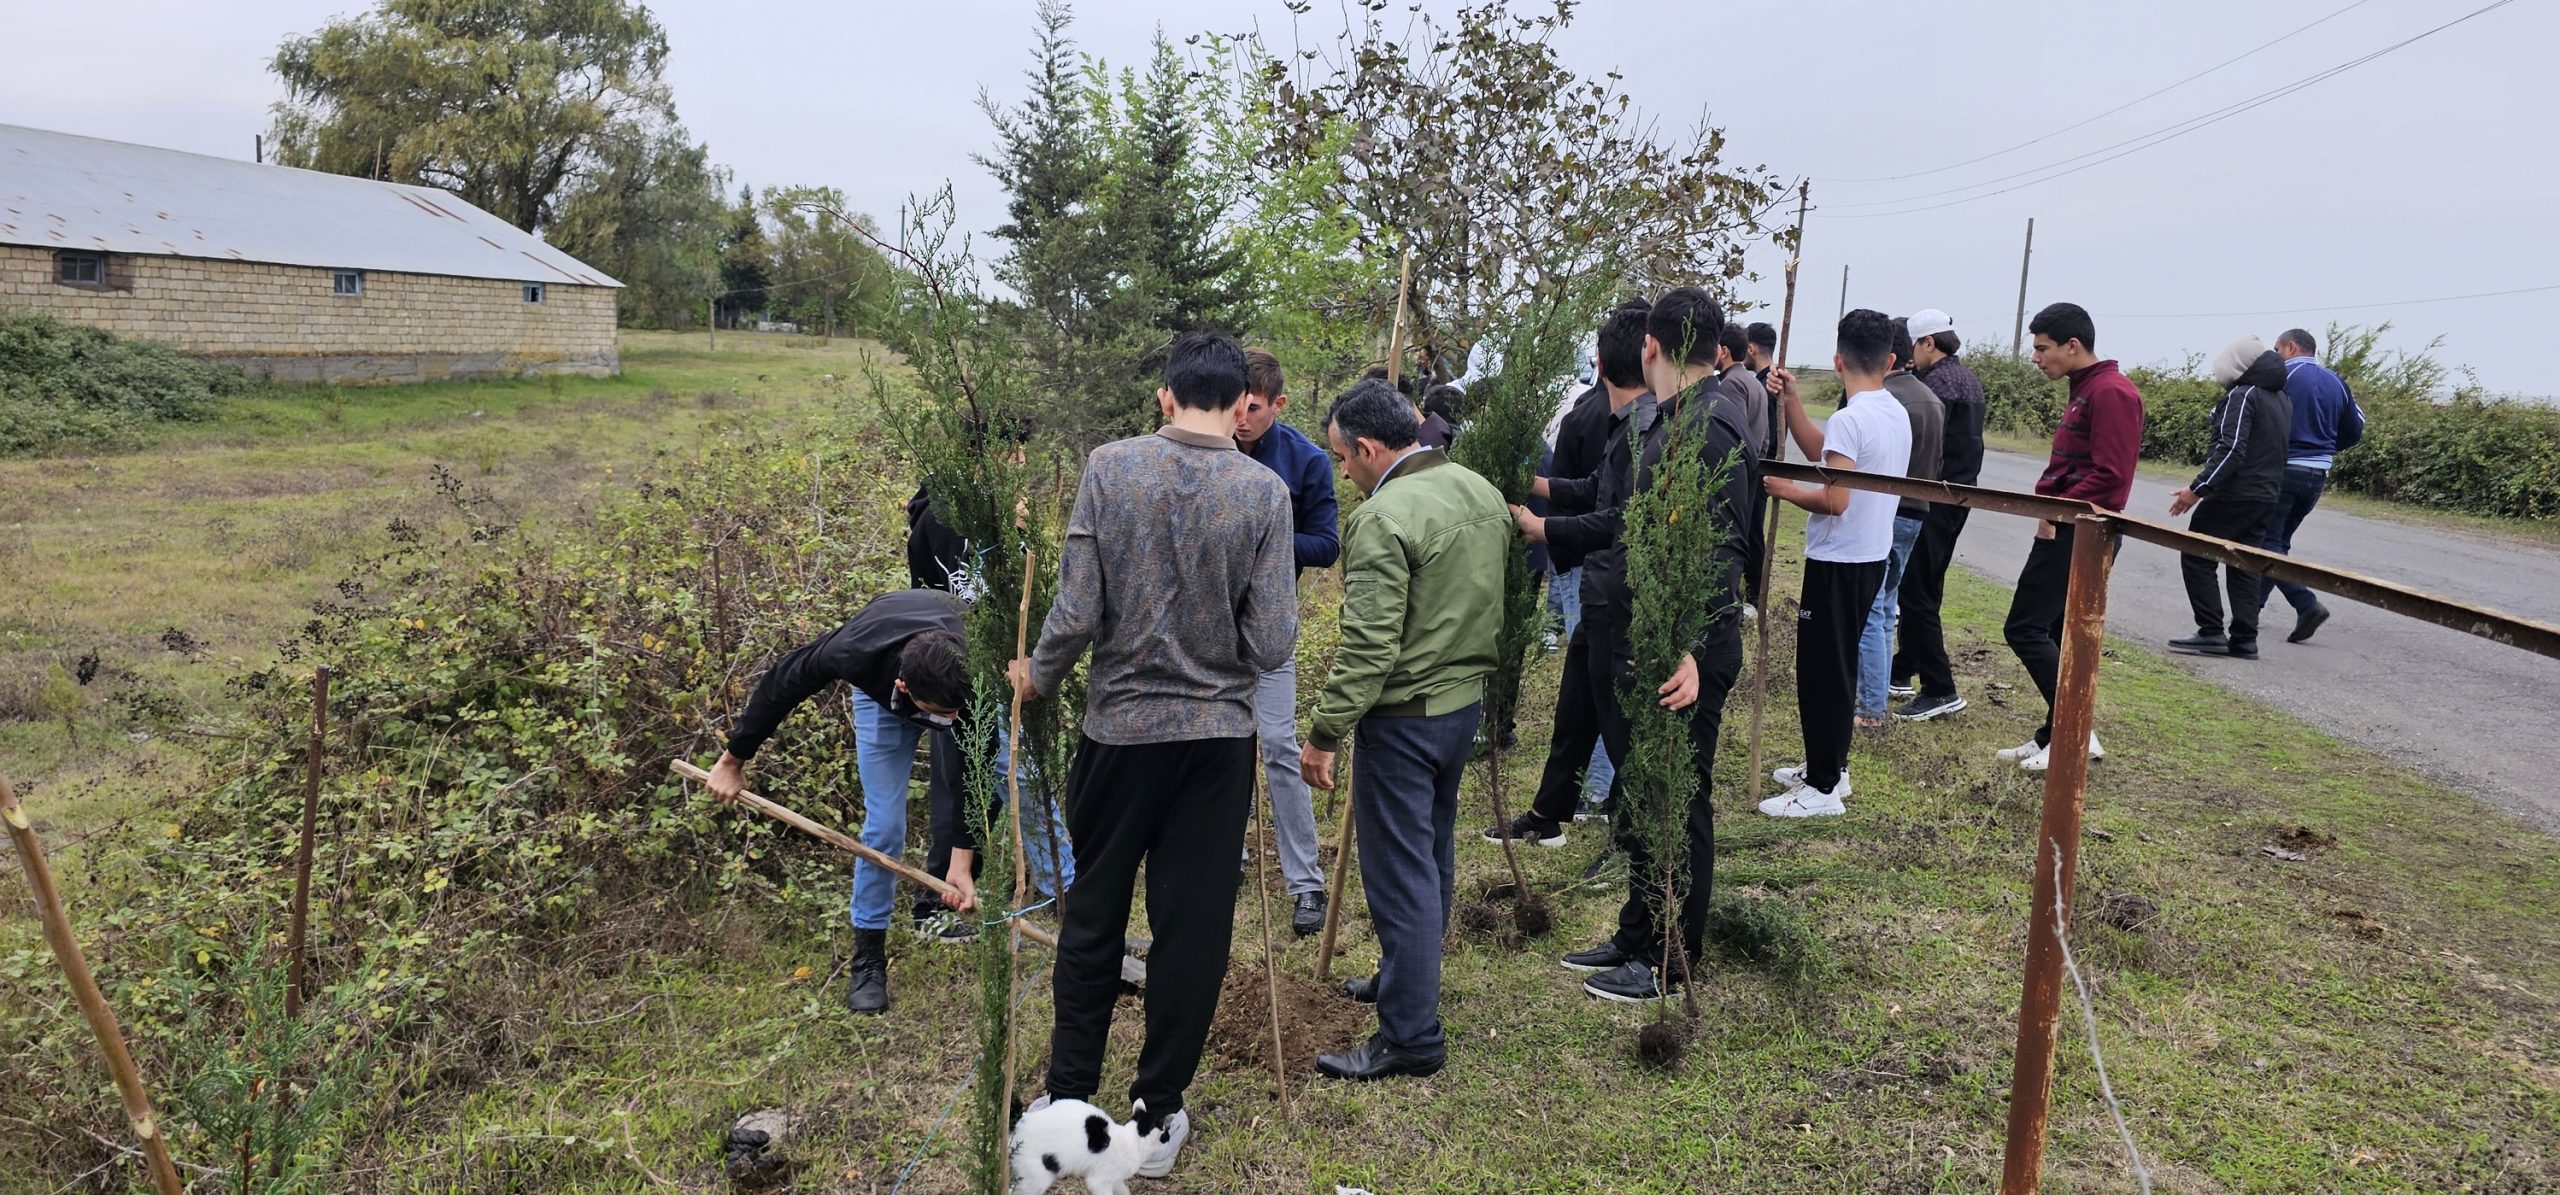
x,y
1364,990
1375,1059
2306,623
1603,957
1308,917
2202,643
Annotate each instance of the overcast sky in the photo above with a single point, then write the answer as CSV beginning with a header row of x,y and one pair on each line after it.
x,y
2428,172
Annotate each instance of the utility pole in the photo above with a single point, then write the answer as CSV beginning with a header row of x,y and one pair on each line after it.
x,y
1844,293
258,147
711,312
2018,330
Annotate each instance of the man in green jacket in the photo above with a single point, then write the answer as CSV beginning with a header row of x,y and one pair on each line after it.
x,y
1422,564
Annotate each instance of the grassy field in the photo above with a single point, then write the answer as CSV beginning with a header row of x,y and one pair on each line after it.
x,y
2380,1016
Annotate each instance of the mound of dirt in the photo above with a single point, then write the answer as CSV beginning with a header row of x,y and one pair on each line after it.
x,y
1314,1019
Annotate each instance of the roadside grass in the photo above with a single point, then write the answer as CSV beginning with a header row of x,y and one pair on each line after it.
x,y
2378,1017
178,563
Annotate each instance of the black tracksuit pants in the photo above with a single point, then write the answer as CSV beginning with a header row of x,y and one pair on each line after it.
x,y
1923,648
2240,522
1179,809
1577,728
1837,597
2034,629
1640,929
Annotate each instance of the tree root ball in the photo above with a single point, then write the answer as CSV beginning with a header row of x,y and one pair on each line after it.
x,y
1660,1045
1532,916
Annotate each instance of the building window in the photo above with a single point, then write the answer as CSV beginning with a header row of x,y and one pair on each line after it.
x,y
533,292
80,267
346,282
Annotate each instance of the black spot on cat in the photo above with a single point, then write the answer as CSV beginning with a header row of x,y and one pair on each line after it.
x,y
1097,1133
1050,1161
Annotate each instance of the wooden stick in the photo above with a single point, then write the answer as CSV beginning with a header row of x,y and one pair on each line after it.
x,y
1341,871
84,989
1021,858
1769,537
1395,333
852,846
297,983
1270,957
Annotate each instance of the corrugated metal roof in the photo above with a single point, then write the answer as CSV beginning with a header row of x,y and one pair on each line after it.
x,y
65,192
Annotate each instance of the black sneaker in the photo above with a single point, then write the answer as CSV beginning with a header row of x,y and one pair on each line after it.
x,y
2308,622
1529,827
1598,874
1927,706
1635,982
1308,917
1603,957
867,988
2202,643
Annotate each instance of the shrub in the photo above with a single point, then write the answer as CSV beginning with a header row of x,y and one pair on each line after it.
x,y
67,385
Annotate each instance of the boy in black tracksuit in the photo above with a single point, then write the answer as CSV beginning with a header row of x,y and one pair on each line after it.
x,y
2234,495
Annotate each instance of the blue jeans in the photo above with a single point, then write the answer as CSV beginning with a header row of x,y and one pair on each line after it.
x,y
1564,594
884,754
1875,645
2301,491
1404,795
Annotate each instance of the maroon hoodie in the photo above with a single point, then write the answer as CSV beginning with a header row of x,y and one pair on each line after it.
x,y
2099,440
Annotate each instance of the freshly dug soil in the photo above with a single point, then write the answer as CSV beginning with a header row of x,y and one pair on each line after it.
x,y
1314,1019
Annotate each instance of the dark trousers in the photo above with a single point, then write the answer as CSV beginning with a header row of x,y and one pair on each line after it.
x,y
1640,929
2034,629
1923,648
1577,727
1404,798
942,798
1178,808
2239,522
2301,491
1836,599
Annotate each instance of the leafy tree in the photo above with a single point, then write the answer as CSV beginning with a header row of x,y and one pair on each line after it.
x,y
825,272
1504,172
1165,207
508,105
652,217
746,261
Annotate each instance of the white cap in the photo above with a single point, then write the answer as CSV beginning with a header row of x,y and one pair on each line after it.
x,y
1929,321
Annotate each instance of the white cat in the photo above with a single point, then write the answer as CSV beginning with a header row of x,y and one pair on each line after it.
x,y
1072,1137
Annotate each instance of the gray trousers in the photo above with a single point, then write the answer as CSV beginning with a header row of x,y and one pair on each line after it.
x,y
1404,799
1293,809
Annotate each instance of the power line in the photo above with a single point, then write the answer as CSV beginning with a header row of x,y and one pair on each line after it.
x,y
2112,111
2156,137
2486,294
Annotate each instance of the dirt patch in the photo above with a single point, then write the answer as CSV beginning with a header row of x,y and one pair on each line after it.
x,y
1314,1019
2304,839
2131,912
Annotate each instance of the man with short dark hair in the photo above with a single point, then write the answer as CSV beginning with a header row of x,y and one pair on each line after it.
x,y
1422,575
1847,537
2094,450
1750,396
1179,571
1289,453
904,658
1923,655
2326,422
1579,524
1763,356
2235,494
1928,430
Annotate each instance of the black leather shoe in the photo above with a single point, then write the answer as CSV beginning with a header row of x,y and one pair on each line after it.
x,y
1603,957
1364,990
867,987
2202,643
1375,1059
1308,918
2305,624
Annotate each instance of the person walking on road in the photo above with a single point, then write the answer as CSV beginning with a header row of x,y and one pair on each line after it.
x,y
2326,422
1422,576
1288,452
2094,450
2234,495
1922,659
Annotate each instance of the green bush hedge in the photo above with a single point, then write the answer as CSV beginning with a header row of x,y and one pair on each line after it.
x,y
66,385
2471,453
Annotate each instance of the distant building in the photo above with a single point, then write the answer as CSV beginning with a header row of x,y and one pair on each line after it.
x,y
290,274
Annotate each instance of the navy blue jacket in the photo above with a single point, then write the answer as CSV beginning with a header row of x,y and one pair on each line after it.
x,y
1309,474
2326,419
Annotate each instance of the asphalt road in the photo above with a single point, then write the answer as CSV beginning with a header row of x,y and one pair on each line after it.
x,y
2482,718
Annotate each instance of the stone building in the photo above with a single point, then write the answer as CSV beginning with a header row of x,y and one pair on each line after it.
x,y
290,274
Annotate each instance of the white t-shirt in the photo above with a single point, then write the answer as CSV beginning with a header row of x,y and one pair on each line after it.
x,y
1871,430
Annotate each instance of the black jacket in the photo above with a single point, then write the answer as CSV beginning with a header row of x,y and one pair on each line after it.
x,y
1629,466
936,555
862,653
2250,427
1960,458
1582,442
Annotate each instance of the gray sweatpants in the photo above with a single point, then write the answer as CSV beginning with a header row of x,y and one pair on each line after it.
x,y
1293,810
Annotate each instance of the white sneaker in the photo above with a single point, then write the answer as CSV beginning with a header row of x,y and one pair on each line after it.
x,y
2020,752
1177,1129
1901,692
1792,776
1804,800
2038,761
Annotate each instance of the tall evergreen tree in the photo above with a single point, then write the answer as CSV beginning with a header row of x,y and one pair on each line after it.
x,y
1172,217
746,260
